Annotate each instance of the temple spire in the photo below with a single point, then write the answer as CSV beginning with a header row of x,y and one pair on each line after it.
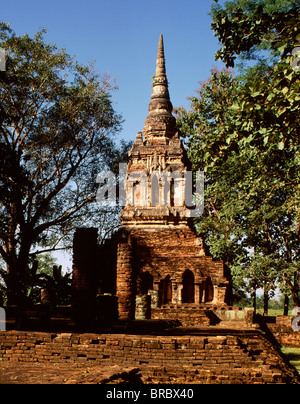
x,y
160,122
160,61
160,81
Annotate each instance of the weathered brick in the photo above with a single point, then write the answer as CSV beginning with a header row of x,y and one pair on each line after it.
x,y
184,359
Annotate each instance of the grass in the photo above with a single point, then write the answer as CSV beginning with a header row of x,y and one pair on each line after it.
x,y
293,356
274,312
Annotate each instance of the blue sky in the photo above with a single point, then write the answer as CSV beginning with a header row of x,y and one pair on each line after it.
x,y
122,37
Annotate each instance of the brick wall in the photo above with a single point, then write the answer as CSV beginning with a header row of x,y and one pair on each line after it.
x,y
186,315
168,254
283,332
117,266
166,359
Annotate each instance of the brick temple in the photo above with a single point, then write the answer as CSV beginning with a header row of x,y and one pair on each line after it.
x,y
156,265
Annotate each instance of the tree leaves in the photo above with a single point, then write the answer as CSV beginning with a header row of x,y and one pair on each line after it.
x,y
246,25
57,124
249,146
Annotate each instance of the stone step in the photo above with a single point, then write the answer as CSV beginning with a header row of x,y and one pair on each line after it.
x,y
210,375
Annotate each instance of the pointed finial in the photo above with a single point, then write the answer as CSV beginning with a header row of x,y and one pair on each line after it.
x,y
160,82
160,107
161,53
160,61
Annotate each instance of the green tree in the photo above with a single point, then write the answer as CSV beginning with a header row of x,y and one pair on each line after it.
x,y
56,133
267,108
247,27
244,133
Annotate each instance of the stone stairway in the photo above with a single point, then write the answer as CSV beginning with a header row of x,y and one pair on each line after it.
x,y
225,360
186,315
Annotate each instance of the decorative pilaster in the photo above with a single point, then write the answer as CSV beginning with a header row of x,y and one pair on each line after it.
x,y
125,280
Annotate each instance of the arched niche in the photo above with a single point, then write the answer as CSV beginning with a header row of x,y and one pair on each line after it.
x,y
209,290
144,283
165,288
188,289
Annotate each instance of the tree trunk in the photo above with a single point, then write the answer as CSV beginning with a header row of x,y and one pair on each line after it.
x,y
295,296
286,305
266,300
293,286
15,282
17,275
295,292
253,295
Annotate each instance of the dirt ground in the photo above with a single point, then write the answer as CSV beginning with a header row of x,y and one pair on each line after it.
x,y
48,373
